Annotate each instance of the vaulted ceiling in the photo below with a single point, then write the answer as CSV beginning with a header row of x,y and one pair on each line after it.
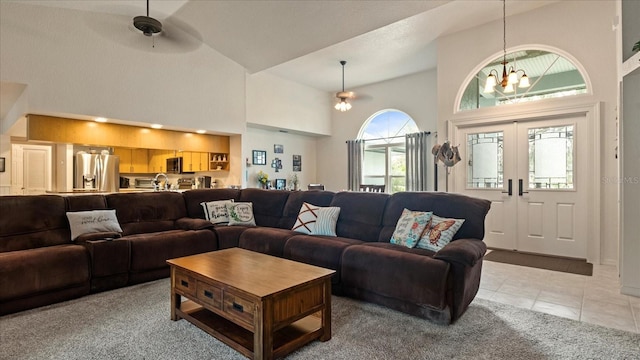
x,y
304,40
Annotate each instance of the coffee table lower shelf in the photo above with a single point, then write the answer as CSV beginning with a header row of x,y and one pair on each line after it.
x,y
285,340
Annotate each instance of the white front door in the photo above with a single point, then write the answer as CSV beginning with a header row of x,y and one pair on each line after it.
x,y
531,172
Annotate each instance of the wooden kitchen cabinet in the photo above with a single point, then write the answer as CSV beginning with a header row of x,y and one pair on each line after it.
x,y
194,161
140,160
204,162
125,159
158,160
132,160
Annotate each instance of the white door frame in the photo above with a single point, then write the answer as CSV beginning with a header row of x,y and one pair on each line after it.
x,y
533,111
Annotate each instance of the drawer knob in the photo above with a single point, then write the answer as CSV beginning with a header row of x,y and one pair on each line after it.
x,y
238,307
184,283
208,294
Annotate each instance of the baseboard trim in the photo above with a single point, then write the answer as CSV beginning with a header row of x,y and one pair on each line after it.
x,y
628,290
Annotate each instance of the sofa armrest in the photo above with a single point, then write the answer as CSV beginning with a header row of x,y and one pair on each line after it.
x,y
466,252
186,223
82,239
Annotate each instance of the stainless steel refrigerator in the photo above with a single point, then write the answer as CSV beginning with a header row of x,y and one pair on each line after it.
x,y
99,172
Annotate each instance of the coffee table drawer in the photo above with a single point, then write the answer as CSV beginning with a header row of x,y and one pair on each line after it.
x,y
209,294
185,283
238,307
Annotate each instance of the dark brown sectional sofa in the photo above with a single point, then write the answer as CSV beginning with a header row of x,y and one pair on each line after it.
x,y
40,265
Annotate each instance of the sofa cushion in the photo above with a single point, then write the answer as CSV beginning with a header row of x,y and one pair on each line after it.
x,y
295,201
439,232
32,221
399,273
85,202
28,272
151,250
360,215
316,220
266,240
149,212
93,221
241,213
410,227
229,236
267,205
449,205
193,199
323,251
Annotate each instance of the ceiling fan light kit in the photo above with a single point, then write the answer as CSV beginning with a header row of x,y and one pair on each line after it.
x,y
343,105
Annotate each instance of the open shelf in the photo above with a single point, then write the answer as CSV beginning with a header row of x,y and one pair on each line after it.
x,y
285,340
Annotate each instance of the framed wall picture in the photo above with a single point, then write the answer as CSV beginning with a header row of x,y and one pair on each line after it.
x,y
297,162
281,184
278,149
259,157
1,164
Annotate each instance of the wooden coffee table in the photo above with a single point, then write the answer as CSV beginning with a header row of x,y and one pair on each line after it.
x,y
263,306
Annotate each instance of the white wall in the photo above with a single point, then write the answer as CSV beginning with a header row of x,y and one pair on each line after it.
x,y
282,104
414,94
72,68
261,139
583,29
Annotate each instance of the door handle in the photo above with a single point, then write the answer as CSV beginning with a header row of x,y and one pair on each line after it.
x,y
520,192
509,188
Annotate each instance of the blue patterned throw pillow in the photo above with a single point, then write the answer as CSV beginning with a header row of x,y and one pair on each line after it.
x,y
410,227
439,233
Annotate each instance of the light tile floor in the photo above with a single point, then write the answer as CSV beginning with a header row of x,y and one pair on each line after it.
x,y
593,299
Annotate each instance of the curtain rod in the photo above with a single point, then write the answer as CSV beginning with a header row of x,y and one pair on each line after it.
x,y
393,137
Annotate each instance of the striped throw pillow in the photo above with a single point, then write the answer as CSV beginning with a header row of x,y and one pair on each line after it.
x,y
316,220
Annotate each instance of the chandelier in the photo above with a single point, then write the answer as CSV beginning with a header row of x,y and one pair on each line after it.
x,y
510,77
343,105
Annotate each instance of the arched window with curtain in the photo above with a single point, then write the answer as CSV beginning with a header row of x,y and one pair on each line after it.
x,y
381,149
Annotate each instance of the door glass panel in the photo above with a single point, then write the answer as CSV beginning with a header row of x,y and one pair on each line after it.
x,y
551,157
485,166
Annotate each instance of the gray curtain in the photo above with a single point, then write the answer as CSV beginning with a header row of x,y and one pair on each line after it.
x,y
355,152
419,158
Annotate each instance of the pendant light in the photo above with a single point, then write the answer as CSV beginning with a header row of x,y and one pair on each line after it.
x,y
343,105
510,78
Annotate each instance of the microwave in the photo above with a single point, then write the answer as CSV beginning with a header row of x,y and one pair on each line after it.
x,y
174,166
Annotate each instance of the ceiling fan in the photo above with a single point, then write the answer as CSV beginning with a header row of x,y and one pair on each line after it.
x,y
148,25
169,34
343,104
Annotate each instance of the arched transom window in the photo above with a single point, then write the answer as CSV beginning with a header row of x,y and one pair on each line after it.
x,y
550,75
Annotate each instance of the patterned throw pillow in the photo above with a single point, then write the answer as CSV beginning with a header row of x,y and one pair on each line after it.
x,y
85,222
241,213
439,233
410,227
316,220
216,211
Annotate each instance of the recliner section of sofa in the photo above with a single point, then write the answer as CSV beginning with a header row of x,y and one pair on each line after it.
x,y
162,225
38,263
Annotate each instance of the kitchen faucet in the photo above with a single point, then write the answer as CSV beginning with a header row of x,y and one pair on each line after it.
x,y
156,183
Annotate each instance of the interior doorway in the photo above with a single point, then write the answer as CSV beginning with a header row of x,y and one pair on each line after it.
x,y
30,169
